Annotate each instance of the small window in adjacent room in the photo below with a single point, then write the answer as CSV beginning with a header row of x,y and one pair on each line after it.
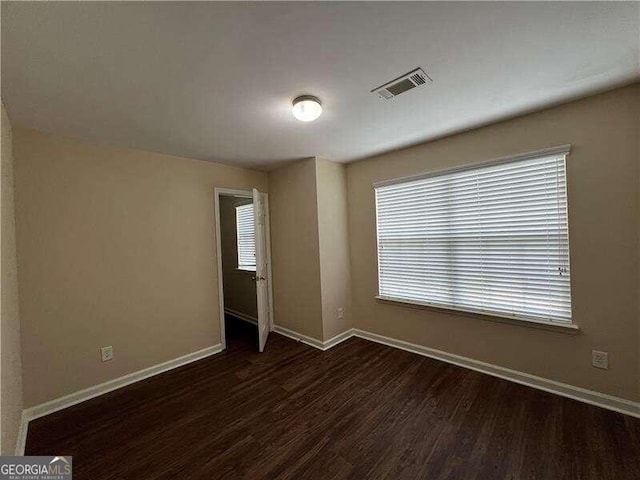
x,y
246,238
491,238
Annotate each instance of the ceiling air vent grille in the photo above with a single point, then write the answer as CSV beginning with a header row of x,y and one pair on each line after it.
x,y
409,81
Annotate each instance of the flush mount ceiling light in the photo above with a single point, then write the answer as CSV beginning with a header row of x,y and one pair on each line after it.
x,y
306,108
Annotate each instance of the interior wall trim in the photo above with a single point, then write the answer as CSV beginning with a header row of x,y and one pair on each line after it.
x,y
341,337
66,401
584,395
580,394
241,316
314,342
22,435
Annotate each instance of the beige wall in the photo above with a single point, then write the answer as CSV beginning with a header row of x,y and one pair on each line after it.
x,y
603,181
295,255
11,366
331,181
239,286
115,247
310,248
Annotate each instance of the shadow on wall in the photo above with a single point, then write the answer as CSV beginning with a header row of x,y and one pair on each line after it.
x,y
11,391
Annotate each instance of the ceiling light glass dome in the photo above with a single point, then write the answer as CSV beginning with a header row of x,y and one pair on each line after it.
x,y
306,108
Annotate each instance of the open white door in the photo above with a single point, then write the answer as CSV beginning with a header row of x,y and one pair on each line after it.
x,y
262,266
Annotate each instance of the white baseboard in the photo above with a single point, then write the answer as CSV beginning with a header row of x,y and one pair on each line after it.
x,y
22,435
341,337
314,342
97,390
241,316
591,397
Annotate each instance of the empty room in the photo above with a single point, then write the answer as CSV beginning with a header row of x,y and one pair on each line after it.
x,y
320,240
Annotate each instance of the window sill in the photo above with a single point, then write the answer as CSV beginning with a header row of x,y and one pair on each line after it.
x,y
245,270
569,328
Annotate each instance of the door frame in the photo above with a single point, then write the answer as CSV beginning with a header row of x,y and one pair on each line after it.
x,y
230,192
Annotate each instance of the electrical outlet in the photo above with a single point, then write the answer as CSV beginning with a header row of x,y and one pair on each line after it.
x,y
106,353
600,359
340,313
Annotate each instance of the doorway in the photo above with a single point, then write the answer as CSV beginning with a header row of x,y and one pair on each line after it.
x,y
244,268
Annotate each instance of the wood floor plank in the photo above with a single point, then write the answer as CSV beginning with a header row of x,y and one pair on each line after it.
x,y
359,410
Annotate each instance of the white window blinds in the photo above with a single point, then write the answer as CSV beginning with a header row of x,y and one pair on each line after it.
x,y
489,239
245,237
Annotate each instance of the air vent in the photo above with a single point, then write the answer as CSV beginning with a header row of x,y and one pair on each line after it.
x,y
409,81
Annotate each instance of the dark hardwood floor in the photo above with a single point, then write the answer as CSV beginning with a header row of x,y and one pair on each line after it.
x,y
359,411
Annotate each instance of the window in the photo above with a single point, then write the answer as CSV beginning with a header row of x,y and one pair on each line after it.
x,y
245,237
492,238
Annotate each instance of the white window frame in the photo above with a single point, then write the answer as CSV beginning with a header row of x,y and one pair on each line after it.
x,y
518,318
244,266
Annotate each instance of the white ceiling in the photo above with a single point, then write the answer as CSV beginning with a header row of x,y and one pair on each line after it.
x,y
215,81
